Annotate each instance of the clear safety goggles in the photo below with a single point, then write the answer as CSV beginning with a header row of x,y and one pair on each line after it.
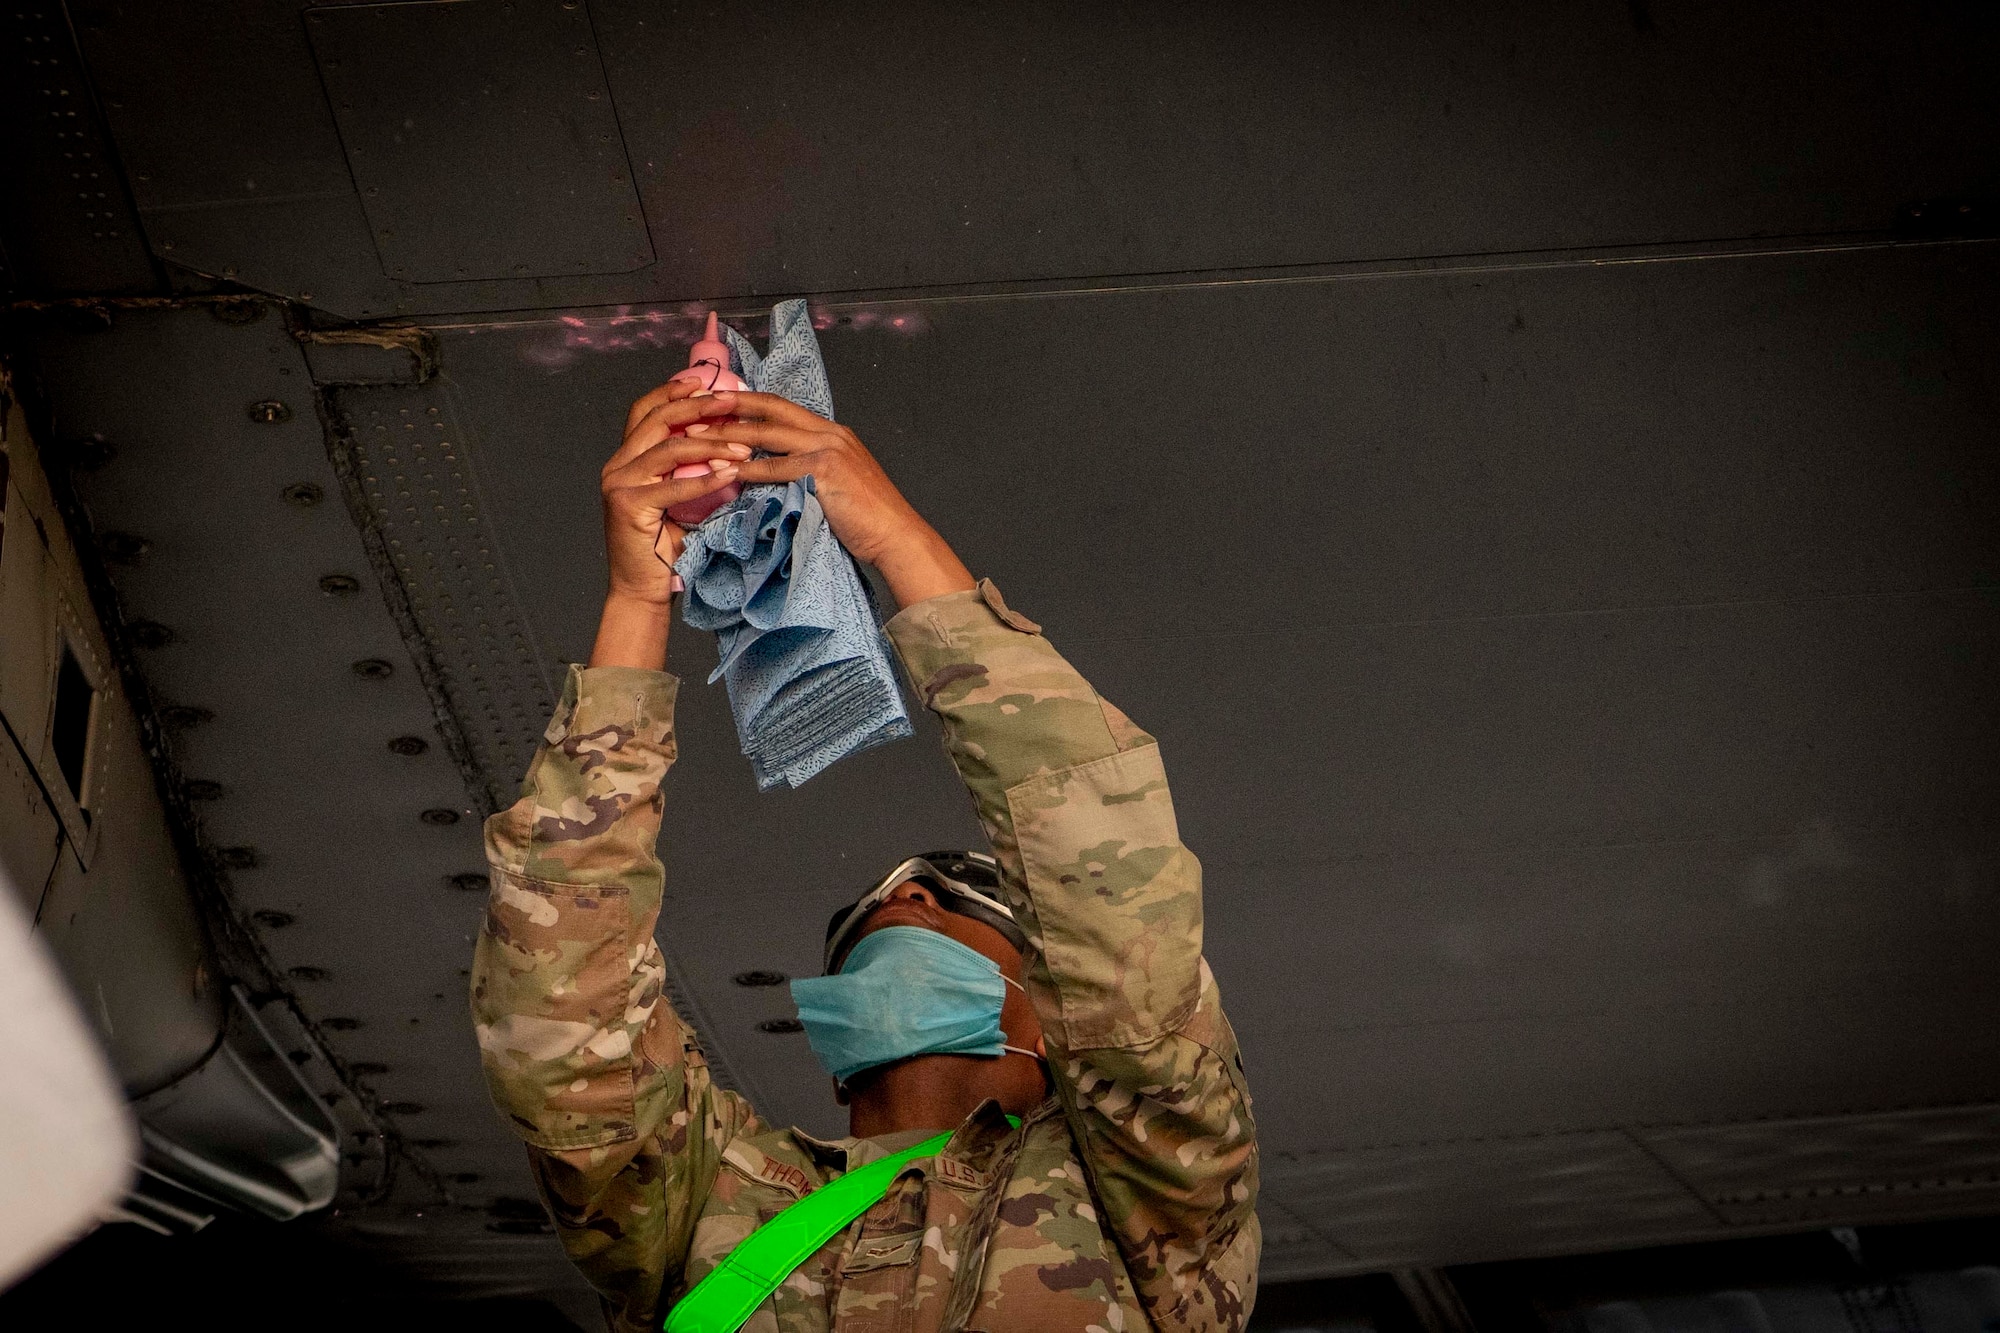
x,y
947,875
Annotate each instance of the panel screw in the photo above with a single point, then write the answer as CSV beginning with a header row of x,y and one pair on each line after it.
x,y
269,411
408,745
339,585
439,817
468,882
307,973
373,668
122,548
780,1026
202,789
759,977
341,1024
303,494
238,858
272,919
149,634
182,716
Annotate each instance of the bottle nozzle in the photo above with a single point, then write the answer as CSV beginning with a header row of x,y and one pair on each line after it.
x,y
711,350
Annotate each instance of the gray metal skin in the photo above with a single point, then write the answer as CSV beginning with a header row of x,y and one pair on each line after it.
x,y
1531,467
94,862
227,1088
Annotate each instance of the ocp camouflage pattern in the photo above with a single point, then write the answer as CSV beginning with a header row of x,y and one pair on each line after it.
x,y
1125,1202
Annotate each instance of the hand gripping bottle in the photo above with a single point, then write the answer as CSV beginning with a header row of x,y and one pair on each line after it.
x,y
708,366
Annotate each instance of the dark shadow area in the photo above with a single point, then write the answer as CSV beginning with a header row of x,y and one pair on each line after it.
x,y
1334,1305
1915,1278
244,1273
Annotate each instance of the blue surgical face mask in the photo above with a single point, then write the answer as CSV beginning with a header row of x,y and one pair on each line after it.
x,y
903,991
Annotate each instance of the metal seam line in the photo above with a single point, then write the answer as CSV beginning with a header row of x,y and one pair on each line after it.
x,y
1364,270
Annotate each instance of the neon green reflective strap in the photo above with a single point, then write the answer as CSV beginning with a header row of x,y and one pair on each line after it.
x,y
733,1289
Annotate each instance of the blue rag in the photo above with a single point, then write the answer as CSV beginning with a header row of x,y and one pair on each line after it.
x,y
802,654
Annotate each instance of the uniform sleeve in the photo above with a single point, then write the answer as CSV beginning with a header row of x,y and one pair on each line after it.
x,y
583,1054
1075,802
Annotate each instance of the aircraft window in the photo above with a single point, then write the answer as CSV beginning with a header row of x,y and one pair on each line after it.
x,y
75,702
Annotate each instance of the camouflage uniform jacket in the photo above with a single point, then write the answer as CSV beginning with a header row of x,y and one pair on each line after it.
x,y
1125,1202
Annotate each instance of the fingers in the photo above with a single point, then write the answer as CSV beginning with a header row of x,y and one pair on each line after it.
x,y
658,461
776,469
661,420
678,405
672,391
682,411
766,435
770,407
678,490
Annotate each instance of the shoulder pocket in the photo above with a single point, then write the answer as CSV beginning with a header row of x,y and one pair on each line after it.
x,y
1117,896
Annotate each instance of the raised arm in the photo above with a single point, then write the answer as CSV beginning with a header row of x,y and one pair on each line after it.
x,y
583,1053
1075,802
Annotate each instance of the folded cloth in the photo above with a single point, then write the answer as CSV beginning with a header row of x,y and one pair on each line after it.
x,y
801,649
792,367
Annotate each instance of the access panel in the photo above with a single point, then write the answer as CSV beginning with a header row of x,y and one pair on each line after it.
x,y
482,138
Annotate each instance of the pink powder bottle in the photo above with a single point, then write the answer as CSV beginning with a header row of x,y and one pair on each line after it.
x,y
708,366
